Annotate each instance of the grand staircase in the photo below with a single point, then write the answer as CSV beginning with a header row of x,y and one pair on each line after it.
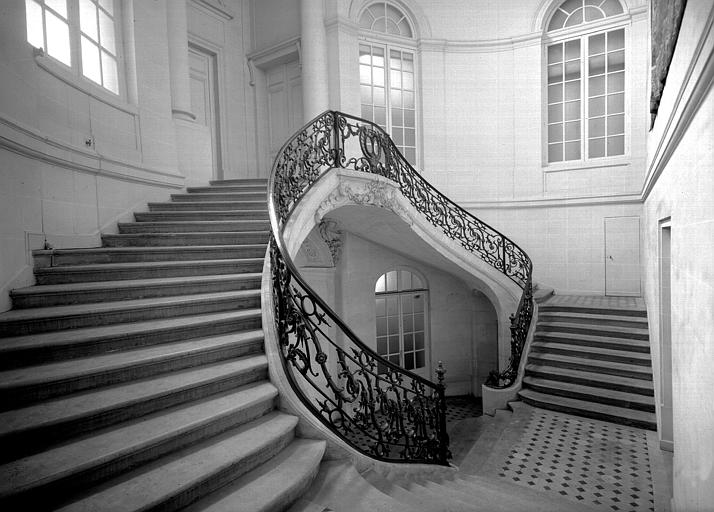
x,y
591,357
133,376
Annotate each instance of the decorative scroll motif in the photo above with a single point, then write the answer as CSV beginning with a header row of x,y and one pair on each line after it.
x,y
332,237
379,408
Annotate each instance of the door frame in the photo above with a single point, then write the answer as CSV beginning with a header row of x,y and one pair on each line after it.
x,y
664,243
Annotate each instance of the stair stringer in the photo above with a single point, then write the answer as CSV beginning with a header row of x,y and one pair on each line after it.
x,y
341,187
311,427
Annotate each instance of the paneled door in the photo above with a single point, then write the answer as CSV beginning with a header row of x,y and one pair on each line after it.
x,y
203,72
284,83
622,256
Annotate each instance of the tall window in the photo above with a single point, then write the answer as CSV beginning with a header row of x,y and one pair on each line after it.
x,y
401,314
387,85
82,34
586,83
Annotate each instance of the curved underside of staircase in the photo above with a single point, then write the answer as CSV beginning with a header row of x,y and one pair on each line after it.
x,y
133,376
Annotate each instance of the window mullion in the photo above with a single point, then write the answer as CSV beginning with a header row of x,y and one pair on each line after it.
x,y
586,99
74,35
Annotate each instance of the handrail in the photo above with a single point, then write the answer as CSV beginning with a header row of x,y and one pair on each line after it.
x,y
377,407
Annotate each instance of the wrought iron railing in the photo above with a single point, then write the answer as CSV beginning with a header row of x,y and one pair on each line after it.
x,y
377,407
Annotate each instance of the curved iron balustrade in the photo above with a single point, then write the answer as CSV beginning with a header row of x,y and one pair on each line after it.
x,y
379,408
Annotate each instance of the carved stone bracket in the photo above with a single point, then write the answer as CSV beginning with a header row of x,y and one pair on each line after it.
x,y
371,193
333,237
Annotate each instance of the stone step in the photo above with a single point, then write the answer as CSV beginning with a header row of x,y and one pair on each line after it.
x,y
201,215
594,330
274,485
588,352
600,380
221,196
590,393
23,386
53,476
573,317
241,181
19,322
214,226
67,257
105,291
145,270
625,344
592,365
37,427
207,206
75,343
229,187
621,415
550,307
174,239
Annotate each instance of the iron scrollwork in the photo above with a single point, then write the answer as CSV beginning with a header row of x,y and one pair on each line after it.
x,y
377,407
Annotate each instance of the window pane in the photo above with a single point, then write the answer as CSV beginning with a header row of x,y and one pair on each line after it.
x,y
409,119
616,124
555,133
572,150
597,106
557,20
408,342
380,306
555,93
572,70
365,74
392,308
615,103
419,359
616,145
397,117
58,38
408,99
616,82
382,346
572,110
88,19
616,61
572,130
597,65
419,300
398,136
419,322
106,33
407,323
378,98
395,78
592,14
596,148
408,62
392,281
611,7
395,60
380,115
107,5
572,49
572,90
394,345
378,56
555,53
365,94
409,137
34,24
367,113
410,155
615,40
597,85
90,61
408,81
394,359
409,361
395,97
596,127
381,284
406,280
407,306
596,44
364,55
575,19
555,73
110,78
59,6
378,76
555,113
419,340
555,152
381,326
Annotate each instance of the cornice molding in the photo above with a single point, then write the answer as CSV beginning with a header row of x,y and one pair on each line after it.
x,y
549,202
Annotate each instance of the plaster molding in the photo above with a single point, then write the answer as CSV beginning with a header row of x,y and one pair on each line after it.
x,y
333,238
419,20
284,51
545,202
216,7
370,193
31,143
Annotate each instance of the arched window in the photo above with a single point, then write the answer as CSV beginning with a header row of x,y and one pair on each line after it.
x,y
585,81
387,74
401,312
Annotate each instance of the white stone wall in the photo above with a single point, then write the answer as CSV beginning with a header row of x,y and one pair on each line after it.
x,y
680,187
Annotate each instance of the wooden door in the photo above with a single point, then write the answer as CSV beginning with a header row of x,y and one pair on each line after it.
x,y
622,256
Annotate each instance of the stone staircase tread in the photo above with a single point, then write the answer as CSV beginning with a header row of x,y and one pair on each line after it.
x,y
65,370
196,222
85,335
541,356
205,212
100,448
594,327
112,267
185,204
130,283
645,385
583,349
75,310
591,407
570,336
561,301
100,401
589,390
139,249
271,486
591,317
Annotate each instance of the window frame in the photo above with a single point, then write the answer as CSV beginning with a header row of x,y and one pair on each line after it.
x,y
73,74
582,32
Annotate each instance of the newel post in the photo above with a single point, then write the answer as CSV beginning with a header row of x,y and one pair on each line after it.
x,y
443,436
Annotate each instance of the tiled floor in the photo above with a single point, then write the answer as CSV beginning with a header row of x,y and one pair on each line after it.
x,y
597,301
586,461
462,407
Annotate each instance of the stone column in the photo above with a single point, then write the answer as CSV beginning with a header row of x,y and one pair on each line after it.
x,y
177,32
313,40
